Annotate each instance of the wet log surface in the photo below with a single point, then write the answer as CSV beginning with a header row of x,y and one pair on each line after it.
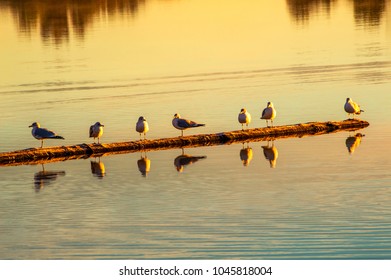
x,y
61,153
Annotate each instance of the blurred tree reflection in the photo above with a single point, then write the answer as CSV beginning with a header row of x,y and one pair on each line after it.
x,y
366,12
302,10
56,20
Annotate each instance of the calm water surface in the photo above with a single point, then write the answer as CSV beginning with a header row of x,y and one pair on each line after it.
x,y
70,64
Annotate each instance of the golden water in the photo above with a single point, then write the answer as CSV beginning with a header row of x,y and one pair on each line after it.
x,y
70,64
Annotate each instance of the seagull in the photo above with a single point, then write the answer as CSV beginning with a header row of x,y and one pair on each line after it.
x,y
96,130
269,113
271,154
244,117
43,133
183,124
142,126
352,107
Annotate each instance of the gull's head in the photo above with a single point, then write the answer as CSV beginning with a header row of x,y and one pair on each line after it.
x,y
269,104
177,116
243,110
35,124
348,99
98,124
141,118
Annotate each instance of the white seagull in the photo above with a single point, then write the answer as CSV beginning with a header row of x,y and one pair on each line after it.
x,y
43,133
142,126
244,117
269,113
183,124
96,130
352,107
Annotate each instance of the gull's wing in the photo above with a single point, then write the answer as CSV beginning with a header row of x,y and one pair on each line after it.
x,y
44,133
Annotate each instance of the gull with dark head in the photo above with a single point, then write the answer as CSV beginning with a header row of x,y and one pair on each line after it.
x,y
269,113
96,130
352,107
40,133
183,124
142,126
244,117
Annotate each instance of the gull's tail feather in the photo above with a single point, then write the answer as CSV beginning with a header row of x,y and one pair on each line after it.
x,y
58,137
200,157
199,124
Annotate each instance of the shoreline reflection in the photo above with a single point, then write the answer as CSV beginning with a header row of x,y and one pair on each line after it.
x,y
368,13
45,177
57,20
183,159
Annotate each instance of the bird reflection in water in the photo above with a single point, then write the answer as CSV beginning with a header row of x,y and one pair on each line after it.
x,y
352,142
246,155
183,159
98,168
271,154
45,177
144,164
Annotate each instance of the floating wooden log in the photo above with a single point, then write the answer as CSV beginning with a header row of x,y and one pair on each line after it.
x,y
61,153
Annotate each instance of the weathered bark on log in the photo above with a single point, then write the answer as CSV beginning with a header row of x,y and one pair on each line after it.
x,y
61,153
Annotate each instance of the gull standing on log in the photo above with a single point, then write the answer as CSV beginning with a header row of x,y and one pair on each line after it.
x,y
142,126
352,107
96,131
183,124
244,117
269,113
43,133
